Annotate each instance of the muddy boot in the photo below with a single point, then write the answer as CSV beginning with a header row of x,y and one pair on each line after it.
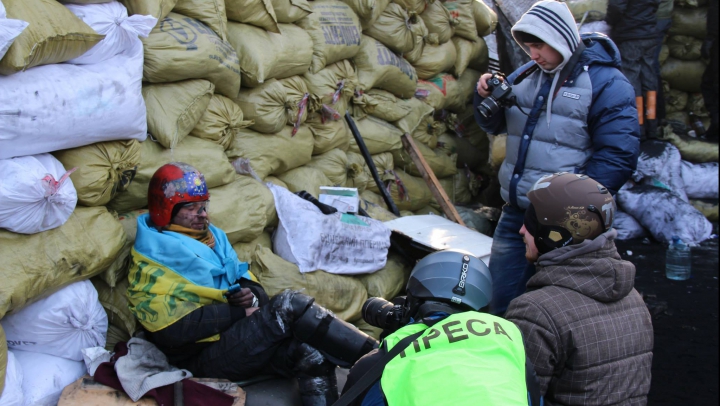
x,y
319,390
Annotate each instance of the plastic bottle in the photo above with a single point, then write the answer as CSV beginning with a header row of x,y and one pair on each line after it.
x,y
697,124
677,260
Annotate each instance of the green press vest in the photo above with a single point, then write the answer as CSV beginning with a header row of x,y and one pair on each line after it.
x,y
469,358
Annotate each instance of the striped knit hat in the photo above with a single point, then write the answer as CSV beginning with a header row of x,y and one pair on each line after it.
x,y
553,23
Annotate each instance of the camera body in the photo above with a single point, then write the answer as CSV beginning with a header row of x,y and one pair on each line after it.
x,y
386,315
500,96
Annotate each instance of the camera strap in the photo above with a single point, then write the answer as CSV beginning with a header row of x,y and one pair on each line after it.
x,y
375,372
567,70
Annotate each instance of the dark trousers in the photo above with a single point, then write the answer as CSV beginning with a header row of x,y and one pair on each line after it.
x,y
710,94
638,58
663,26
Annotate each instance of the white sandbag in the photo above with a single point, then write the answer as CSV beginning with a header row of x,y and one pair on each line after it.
x,y
664,214
61,324
9,30
335,243
596,26
110,19
45,376
660,160
36,194
12,394
700,180
627,227
60,106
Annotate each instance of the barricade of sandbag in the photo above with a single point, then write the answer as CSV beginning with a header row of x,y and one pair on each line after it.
x,y
421,36
246,250
439,21
363,179
274,104
485,18
209,12
444,91
390,280
220,121
333,86
700,181
463,11
435,59
334,164
305,178
473,54
393,29
328,135
379,136
9,30
242,208
289,11
692,150
409,192
380,104
156,8
442,164
378,67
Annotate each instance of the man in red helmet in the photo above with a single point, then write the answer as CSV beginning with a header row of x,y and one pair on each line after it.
x,y
203,308
586,329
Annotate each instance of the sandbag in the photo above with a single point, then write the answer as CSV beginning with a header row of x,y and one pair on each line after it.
x,y
678,116
289,11
246,250
220,121
415,6
53,35
36,194
419,114
627,227
242,208
11,393
389,281
333,86
710,210
689,21
173,109
696,104
378,135
275,181
392,28
115,302
272,154
359,175
209,12
664,214
379,104
435,59
485,18
206,156
409,192
474,54
463,11
374,205
660,160
9,30
378,67
427,132
664,53
104,169
305,178
440,163
692,150
274,104
329,135
156,8
265,55
684,47
344,295
700,180
439,21
588,10
675,100
115,335
462,187
333,164
112,21
683,75
335,32
67,109
61,324
259,13
45,376
367,11
81,248
4,358
169,57
421,36
446,92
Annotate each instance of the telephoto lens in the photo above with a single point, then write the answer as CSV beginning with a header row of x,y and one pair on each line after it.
x,y
378,312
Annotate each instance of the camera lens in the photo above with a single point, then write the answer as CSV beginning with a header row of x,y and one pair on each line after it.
x,y
376,311
488,107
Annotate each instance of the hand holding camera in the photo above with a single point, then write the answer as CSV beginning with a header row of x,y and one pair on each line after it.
x,y
497,93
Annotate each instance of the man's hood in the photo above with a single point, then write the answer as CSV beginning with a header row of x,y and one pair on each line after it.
x,y
599,50
593,268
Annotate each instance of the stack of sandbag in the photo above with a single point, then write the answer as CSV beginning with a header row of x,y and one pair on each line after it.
x,y
589,15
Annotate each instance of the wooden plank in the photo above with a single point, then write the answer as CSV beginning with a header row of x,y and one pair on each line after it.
x,y
435,188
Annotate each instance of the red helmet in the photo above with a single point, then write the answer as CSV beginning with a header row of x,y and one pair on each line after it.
x,y
174,183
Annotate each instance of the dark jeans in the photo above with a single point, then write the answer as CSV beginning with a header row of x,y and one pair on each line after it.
x,y
638,58
710,94
663,26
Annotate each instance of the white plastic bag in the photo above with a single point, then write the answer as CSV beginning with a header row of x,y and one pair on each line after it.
x,y
9,30
45,376
700,180
60,325
627,227
53,107
660,160
12,395
335,243
110,19
36,194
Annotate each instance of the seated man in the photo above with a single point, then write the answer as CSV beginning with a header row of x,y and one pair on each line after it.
x,y
182,278
451,353
586,329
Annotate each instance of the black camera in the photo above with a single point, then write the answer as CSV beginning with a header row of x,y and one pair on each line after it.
x,y
500,96
388,316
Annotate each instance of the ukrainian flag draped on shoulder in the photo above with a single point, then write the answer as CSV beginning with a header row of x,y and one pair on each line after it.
x,y
172,274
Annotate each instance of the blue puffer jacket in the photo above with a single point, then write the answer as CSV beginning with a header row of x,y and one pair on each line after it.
x,y
593,128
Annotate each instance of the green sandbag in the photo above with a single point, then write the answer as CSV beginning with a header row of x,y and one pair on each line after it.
x,y
289,11
683,75
463,11
54,35
374,205
684,47
329,135
440,163
439,21
474,54
173,109
446,92
272,154
114,301
435,59
409,192
242,208
689,21
675,100
378,135
209,12
333,86
664,53
389,281
427,132
692,150
485,18
305,178
696,104
378,67
380,104
393,30
115,335
206,156
275,181
334,164
3,359
259,13
37,265
415,6
709,210
421,36
595,9
274,104
384,164
156,8
342,294
246,250
221,119
359,175
419,114
266,55
104,169
170,58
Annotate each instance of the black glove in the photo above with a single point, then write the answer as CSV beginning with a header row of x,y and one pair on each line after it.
x,y
324,208
705,48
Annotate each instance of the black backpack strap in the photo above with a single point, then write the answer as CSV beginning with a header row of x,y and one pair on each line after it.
x,y
375,372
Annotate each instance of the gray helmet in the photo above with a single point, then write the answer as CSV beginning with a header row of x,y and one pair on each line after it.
x,y
452,276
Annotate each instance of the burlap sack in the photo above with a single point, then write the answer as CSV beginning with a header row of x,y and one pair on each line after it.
x,y
684,47
426,133
392,28
333,86
467,82
438,21
289,11
173,109
696,104
689,21
415,6
329,135
36,265
378,67
206,156
692,150
259,13
379,136
274,104
683,75
389,281
463,11
272,154
675,100
181,48
333,164
220,121
440,163
114,301
359,175
384,165
421,36
409,192
104,169
435,59
470,54
305,178
54,35
367,10
156,8
380,104
419,114
485,18
335,32
242,209
246,250
588,10
341,294
208,12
